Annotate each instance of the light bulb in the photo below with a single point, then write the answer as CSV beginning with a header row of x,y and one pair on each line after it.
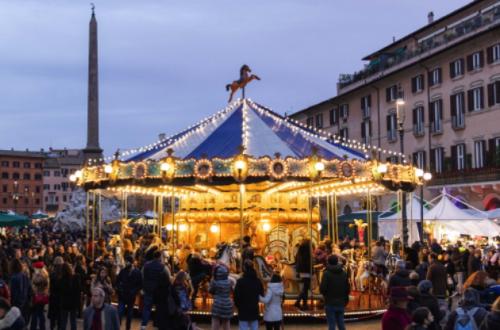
x,y
419,172
214,228
108,169
239,164
183,227
78,174
165,167
72,178
319,226
382,168
266,227
170,227
427,176
319,166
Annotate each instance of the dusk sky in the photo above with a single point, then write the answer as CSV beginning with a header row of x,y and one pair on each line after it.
x,y
163,65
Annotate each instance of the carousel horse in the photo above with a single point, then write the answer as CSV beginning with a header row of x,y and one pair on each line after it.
x,y
292,283
245,78
391,261
264,271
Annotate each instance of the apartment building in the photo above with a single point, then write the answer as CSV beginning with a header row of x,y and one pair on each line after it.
x,y
448,75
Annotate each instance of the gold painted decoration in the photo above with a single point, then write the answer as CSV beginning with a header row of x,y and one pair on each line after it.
x,y
278,169
203,169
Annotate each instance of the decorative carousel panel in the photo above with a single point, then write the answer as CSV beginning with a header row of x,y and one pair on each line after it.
x,y
203,169
140,170
222,167
258,167
331,169
184,168
298,167
154,169
127,170
278,169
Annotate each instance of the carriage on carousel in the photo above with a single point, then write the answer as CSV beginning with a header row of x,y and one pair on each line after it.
x,y
248,171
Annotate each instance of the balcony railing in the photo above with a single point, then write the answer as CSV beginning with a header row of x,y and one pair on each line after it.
x,y
458,122
470,175
447,36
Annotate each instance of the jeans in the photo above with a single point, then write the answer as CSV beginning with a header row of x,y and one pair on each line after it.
x,y
64,319
146,309
273,325
195,281
126,307
335,317
38,318
249,325
306,284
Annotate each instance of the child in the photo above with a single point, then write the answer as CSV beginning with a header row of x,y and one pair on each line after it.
x,y
182,287
273,313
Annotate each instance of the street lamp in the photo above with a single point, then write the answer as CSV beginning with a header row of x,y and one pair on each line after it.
x,y
15,195
400,117
424,177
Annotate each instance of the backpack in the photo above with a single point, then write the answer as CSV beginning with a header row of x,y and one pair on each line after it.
x,y
4,290
465,319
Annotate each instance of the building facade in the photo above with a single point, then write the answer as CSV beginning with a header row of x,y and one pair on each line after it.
x,y
448,75
21,181
57,167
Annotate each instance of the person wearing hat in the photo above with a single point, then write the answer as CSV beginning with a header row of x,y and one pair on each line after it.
x,y
493,318
40,284
128,284
401,277
396,317
427,299
335,289
10,317
469,307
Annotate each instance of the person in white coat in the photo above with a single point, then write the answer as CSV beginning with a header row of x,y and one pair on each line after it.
x,y
273,299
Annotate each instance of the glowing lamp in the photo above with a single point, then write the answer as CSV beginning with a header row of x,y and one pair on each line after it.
x,y
266,226
164,167
427,176
170,227
319,226
239,164
214,228
419,172
183,227
72,178
319,166
400,101
108,169
382,168
78,174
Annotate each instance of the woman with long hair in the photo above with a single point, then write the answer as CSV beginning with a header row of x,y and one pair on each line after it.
x,y
103,281
70,297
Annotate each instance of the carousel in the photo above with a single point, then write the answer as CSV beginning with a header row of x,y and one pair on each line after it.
x,y
248,171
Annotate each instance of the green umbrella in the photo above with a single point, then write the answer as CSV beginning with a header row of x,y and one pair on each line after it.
x,y
13,220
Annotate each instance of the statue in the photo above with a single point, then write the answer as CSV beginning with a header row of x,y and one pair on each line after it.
x,y
245,78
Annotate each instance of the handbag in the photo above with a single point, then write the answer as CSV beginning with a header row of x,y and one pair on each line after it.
x,y
40,299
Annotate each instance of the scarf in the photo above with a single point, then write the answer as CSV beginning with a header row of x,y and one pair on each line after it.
x,y
96,320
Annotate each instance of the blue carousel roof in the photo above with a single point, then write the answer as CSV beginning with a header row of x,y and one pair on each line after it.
x,y
259,130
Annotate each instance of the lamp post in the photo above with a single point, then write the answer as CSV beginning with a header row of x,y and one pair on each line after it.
x,y
400,117
424,176
15,195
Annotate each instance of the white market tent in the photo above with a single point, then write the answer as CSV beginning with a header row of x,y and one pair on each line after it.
x,y
392,225
447,219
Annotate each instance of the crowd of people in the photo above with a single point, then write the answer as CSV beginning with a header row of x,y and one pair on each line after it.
x,y
58,275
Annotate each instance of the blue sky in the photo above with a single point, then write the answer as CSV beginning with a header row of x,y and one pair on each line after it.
x,y
164,64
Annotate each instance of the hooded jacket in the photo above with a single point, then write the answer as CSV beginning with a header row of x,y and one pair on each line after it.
x,y
272,302
13,320
220,288
246,296
400,278
335,286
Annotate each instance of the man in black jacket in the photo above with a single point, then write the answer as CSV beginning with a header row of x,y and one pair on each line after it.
x,y
335,290
128,283
246,297
401,276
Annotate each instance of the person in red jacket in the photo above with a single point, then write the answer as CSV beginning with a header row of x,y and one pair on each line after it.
x,y
396,317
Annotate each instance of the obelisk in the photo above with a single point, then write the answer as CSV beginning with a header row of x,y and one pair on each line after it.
x,y
93,152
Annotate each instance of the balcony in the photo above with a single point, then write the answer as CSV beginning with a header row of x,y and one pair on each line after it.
x,y
470,175
392,61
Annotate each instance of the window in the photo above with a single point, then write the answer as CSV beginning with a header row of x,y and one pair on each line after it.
x,y
26,201
310,121
38,165
391,93
493,54
457,68
57,198
15,164
457,110
57,187
344,133
37,189
4,200
418,121
319,120
391,127
46,173
27,165
65,199
475,61
46,187
494,152
5,163
37,201
366,131
5,188
417,83
38,177
437,160
334,116
494,93
458,156
419,159
57,173
475,98
436,116
344,111
479,154
15,176
5,175
64,186
435,77
366,103
26,176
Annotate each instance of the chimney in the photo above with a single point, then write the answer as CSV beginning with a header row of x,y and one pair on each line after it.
x,y
162,136
430,17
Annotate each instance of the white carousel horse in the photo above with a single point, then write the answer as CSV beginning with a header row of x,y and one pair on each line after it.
x,y
228,255
292,283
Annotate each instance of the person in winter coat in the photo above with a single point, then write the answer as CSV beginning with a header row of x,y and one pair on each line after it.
x,y
40,283
220,289
426,299
493,318
396,317
55,276
10,317
474,264
246,297
273,313
335,290
99,315
20,289
103,281
401,277
303,268
470,304
128,284
421,318
182,289
198,271
70,292
437,275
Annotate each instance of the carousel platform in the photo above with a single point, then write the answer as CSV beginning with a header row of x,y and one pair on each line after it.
x,y
362,306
